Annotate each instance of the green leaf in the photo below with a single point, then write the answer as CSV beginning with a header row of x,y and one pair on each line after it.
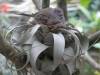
x,y
85,3
85,12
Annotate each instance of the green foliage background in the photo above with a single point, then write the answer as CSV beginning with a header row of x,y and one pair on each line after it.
x,y
86,20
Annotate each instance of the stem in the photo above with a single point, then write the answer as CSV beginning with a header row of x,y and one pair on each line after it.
x,y
91,61
94,38
63,5
45,3
10,52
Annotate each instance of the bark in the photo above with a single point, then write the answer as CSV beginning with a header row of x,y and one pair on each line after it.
x,y
38,4
86,57
11,53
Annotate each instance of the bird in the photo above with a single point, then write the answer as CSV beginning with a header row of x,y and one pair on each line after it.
x,y
50,17
53,18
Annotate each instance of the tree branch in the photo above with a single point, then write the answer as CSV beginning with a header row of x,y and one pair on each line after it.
x,y
11,53
63,5
94,38
91,61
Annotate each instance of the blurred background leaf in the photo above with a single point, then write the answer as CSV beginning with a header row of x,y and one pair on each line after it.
x,y
85,3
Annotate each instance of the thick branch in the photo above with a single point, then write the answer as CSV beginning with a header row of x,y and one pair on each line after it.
x,y
10,53
94,38
91,61
45,3
63,5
